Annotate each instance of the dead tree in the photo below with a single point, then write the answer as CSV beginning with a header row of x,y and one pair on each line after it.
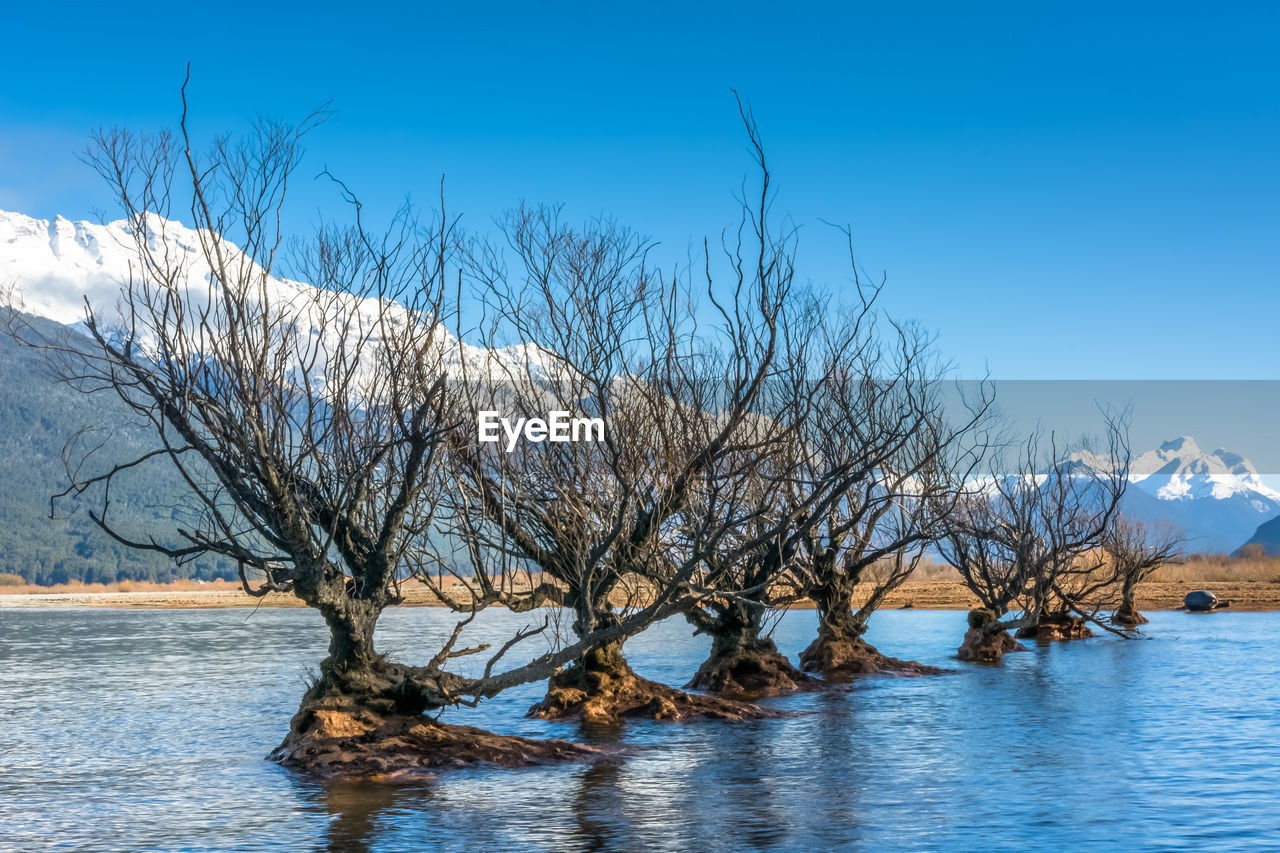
x,y
742,565
615,339
887,460
1136,551
849,502
1029,540
306,422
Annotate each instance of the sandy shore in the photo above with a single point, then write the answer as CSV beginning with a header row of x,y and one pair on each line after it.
x,y
925,595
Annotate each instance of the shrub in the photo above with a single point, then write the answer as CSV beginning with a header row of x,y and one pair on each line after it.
x,y
981,617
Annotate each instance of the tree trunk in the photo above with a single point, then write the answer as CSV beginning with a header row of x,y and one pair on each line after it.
x,y
363,717
1127,614
839,651
985,642
351,630
742,662
981,646
601,687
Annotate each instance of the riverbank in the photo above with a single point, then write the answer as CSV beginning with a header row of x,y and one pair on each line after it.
x,y
1247,595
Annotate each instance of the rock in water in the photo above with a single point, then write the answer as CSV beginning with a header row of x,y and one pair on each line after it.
x,y
1200,601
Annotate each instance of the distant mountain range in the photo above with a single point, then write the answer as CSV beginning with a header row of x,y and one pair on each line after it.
x,y
54,266
1216,498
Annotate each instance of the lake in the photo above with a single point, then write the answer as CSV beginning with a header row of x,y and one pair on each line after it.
x,y
126,730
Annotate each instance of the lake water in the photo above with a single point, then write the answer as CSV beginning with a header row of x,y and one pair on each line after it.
x,y
128,730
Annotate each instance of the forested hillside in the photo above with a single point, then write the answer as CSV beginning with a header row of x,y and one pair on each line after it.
x,y
38,414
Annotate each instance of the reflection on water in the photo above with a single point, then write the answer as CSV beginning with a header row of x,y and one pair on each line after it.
x,y
128,730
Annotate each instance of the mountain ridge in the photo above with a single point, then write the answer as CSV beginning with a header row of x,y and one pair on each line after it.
x,y
1217,498
55,266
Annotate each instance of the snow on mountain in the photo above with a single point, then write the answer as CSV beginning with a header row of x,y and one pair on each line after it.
x,y
1217,499
55,266
1180,470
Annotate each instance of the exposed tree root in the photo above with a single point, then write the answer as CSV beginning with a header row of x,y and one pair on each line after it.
x,y
337,736
1128,617
759,670
982,646
837,657
1056,626
602,688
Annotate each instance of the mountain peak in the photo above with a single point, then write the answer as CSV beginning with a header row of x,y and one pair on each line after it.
x,y
1183,444
1180,470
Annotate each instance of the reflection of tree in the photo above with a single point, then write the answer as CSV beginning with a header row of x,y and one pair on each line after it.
x,y
762,822
354,809
599,808
728,786
838,756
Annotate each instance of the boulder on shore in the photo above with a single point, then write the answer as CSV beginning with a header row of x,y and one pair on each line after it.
x,y
1202,601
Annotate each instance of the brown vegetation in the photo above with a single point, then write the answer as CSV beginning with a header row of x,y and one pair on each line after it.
x,y
754,668
983,641
21,587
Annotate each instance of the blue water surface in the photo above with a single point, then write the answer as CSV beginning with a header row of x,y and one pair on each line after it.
x,y
132,730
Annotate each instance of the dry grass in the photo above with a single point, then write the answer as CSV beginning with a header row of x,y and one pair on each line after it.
x,y
77,588
1194,569
930,572
1198,568
1220,567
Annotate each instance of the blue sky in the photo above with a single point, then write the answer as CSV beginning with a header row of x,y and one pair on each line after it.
x,y
1060,190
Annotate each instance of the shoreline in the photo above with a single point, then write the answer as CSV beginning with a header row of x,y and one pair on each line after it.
x,y
1245,596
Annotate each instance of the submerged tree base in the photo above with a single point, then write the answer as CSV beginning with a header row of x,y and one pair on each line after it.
x,y
845,657
981,646
335,736
1056,626
757,671
602,688
1128,617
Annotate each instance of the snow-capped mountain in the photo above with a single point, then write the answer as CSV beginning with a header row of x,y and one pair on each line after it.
x,y
54,266
1180,470
1217,499
48,269
57,265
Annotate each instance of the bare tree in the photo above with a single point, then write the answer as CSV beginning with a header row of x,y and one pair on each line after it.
x,y
1031,538
868,456
889,462
596,522
306,422
1136,551
742,565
